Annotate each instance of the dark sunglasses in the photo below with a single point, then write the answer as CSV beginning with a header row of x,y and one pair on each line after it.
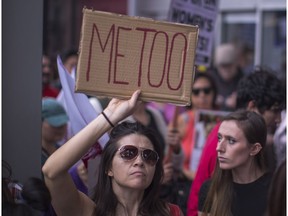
x,y
196,91
129,152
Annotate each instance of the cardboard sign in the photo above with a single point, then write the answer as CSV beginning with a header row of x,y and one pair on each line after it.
x,y
120,54
202,13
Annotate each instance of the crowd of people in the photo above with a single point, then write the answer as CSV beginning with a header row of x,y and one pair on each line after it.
x,y
145,167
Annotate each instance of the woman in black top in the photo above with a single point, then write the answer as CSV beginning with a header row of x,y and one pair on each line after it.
x,y
239,185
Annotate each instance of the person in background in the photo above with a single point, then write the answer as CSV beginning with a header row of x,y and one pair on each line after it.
x,y
70,59
130,169
54,125
31,198
226,74
203,96
54,128
240,182
277,193
261,92
245,53
35,200
48,90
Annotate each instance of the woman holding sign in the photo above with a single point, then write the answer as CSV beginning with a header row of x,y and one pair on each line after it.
x,y
130,171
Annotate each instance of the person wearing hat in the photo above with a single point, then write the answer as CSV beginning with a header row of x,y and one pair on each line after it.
x,y
54,129
54,126
226,74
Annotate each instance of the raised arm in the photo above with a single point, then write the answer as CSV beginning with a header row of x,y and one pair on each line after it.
x,y
66,199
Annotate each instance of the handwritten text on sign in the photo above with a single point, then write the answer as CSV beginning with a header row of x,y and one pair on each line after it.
x,y
119,54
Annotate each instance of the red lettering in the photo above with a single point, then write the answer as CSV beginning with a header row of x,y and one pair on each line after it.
x,y
183,61
111,32
159,36
145,30
165,59
119,55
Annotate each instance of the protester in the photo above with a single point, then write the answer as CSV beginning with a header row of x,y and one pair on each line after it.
x,y
261,92
54,125
226,74
47,88
277,193
203,97
35,199
169,140
31,198
70,59
130,170
245,56
240,183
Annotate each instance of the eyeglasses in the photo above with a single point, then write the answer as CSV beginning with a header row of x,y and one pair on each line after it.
x,y
129,152
196,91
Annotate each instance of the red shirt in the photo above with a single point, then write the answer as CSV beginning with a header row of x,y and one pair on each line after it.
x,y
205,170
49,91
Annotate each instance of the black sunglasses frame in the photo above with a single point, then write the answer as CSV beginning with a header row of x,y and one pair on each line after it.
x,y
197,91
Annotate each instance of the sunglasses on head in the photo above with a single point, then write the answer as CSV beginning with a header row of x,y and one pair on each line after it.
x,y
129,152
196,91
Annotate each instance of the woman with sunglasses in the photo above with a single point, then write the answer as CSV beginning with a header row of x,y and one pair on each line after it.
x,y
130,170
203,97
240,182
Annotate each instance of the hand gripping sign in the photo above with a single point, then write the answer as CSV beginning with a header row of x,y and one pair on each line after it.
x,y
119,54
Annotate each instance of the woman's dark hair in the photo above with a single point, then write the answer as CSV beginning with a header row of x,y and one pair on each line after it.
x,y
208,77
69,53
104,197
254,128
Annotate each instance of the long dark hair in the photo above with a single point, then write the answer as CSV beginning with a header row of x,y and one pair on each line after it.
x,y
220,195
104,197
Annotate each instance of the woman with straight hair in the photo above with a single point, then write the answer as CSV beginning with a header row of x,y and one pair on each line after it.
x,y
239,185
130,171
